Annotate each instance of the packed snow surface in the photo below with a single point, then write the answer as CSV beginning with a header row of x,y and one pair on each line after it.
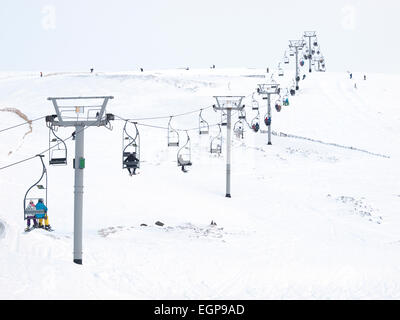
x,y
314,216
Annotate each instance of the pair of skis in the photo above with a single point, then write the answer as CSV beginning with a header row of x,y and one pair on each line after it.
x,y
33,227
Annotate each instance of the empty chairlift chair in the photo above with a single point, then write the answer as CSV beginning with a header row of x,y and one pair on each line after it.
x,y
173,135
57,149
184,155
36,192
281,73
130,147
216,143
204,127
254,103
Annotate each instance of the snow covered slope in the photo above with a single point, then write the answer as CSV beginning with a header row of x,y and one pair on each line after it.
x,y
315,216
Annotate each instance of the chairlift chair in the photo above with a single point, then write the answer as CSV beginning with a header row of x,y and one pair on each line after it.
x,y
255,105
57,149
286,100
267,120
184,156
216,143
130,147
173,135
255,123
281,73
238,129
204,127
36,192
278,105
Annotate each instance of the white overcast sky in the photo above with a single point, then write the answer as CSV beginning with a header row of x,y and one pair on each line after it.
x,y
73,35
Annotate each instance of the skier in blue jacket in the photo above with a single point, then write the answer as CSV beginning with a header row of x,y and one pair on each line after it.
x,y
41,206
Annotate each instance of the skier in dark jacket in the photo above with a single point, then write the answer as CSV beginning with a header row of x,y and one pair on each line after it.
x,y
132,163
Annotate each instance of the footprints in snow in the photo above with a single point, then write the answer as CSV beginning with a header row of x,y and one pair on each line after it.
x,y
359,207
211,232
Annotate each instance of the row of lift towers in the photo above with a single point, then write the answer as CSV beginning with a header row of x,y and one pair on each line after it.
x,y
80,116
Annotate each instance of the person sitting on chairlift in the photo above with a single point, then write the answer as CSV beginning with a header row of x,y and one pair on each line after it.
x,y
31,207
255,127
132,163
41,206
183,163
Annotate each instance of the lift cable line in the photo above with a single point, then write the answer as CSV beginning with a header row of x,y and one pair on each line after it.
x,y
41,153
21,124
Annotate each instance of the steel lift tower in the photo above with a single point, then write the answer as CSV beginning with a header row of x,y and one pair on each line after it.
x,y
310,35
228,103
82,112
297,45
266,90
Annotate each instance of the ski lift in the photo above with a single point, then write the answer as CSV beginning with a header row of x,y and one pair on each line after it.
x,y
173,135
130,148
36,192
57,149
267,120
280,71
278,105
286,59
216,143
238,129
286,100
242,115
204,128
291,53
254,104
184,155
255,123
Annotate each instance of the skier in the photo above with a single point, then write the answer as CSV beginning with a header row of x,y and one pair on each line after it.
x,y
355,86
286,101
304,76
132,163
183,163
255,127
41,206
31,207
91,70
141,70
351,76
365,77
41,74
267,70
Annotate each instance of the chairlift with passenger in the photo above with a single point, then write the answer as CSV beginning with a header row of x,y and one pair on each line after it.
x,y
184,155
36,192
216,143
130,146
